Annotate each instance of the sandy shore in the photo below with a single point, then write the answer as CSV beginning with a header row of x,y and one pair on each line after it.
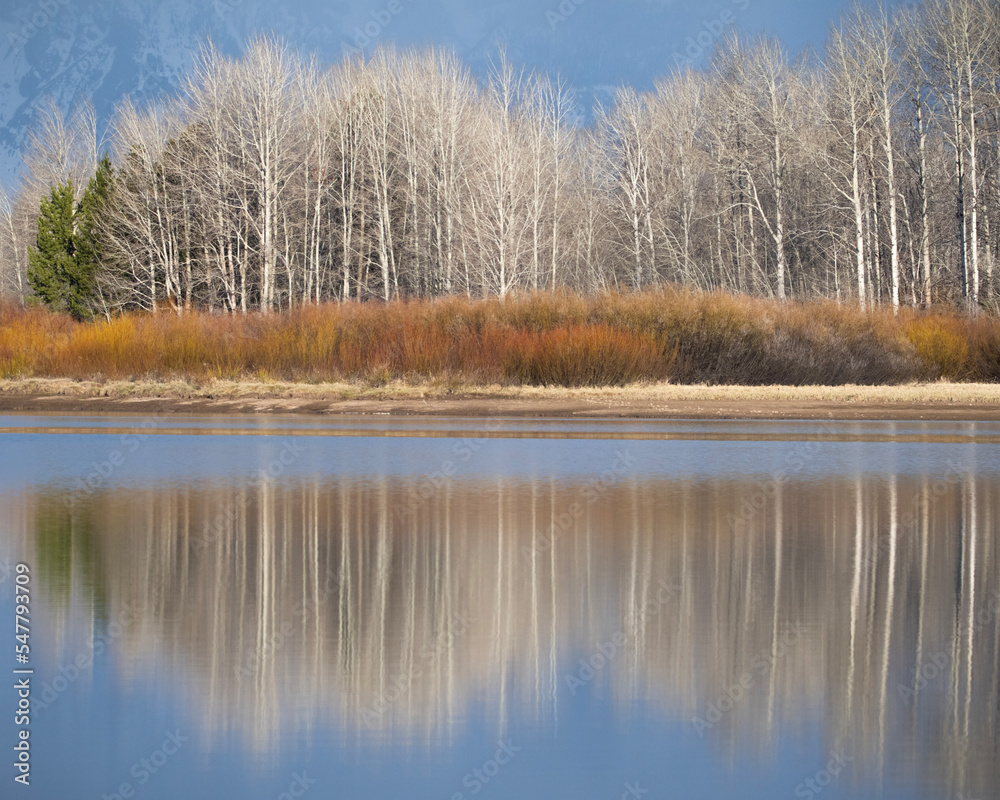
x,y
940,401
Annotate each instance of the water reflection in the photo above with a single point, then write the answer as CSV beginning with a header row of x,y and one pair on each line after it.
x,y
865,605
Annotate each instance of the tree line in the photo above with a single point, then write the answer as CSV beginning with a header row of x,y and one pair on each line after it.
x,y
869,173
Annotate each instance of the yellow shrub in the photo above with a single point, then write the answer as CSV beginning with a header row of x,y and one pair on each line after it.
x,y
941,345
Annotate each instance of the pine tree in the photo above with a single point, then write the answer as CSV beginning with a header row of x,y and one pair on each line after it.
x,y
51,263
87,243
67,256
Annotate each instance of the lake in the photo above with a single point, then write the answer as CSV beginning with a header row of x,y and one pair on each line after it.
x,y
376,607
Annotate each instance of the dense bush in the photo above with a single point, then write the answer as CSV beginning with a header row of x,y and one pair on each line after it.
x,y
541,339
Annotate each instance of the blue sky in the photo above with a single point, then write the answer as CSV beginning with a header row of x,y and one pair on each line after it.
x,y
76,49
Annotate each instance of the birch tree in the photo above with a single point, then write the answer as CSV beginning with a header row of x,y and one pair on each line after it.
x,y
264,121
959,37
626,137
269,182
879,62
763,74
13,252
849,117
500,191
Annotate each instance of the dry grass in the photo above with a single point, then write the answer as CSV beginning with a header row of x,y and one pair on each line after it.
x,y
642,396
538,340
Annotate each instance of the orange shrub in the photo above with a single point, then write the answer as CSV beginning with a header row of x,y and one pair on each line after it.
x,y
594,355
542,338
941,344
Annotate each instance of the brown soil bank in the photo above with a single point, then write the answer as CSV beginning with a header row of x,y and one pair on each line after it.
x,y
929,401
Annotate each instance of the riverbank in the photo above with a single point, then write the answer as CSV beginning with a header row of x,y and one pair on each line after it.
x,y
917,401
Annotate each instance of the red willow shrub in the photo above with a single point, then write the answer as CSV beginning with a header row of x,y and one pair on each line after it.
x,y
540,339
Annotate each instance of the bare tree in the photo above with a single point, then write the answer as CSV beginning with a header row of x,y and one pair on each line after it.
x,y
849,118
270,182
625,132
263,119
500,191
765,86
917,85
679,119
13,261
959,36
875,43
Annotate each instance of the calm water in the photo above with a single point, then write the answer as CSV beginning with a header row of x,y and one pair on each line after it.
x,y
452,608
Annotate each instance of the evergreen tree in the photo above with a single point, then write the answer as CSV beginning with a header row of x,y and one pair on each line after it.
x,y
51,263
86,239
67,256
